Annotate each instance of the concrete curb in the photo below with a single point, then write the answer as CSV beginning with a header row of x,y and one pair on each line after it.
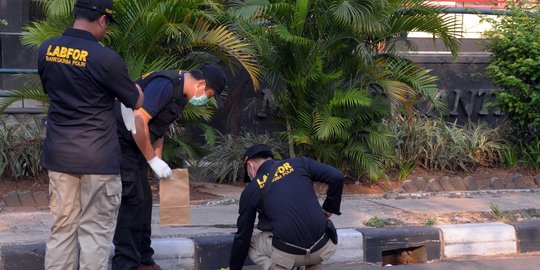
x,y
364,245
486,239
381,245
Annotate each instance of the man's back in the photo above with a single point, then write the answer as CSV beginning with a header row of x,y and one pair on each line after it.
x,y
291,205
82,80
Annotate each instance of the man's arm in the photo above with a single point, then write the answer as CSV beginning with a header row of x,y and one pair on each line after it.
x,y
158,147
242,238
141,97
142,137
334,178
117,81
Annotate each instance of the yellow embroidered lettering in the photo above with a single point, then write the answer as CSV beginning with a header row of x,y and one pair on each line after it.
x,y
49,53
63,52
56,51
76,54
287,166
84,54
261,183
70,53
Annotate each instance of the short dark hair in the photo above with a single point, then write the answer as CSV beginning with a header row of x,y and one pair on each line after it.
x,y
88,14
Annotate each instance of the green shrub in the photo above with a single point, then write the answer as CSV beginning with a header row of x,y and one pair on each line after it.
x,y
224,160
509,156
405,169
496,210
431,222
434,144
530,151
20,148
514,42
377,222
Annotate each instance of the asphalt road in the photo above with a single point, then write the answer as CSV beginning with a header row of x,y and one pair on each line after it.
x,y
529,262
521,262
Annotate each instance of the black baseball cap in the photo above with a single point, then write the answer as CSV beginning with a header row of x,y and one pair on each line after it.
x,y
254,151
215,79
103,6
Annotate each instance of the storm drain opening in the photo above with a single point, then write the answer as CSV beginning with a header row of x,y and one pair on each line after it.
x,y
412,255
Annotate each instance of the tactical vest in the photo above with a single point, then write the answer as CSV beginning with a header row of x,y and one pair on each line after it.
x,y
160,123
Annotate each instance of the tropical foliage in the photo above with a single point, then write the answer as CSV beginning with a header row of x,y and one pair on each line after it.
x,y
514,42
335,67
154,35
435,144
224,160
20,147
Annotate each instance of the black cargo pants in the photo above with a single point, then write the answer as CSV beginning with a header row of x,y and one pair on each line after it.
x,y
133,229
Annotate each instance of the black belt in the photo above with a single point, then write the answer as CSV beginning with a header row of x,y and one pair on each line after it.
x,y
296,250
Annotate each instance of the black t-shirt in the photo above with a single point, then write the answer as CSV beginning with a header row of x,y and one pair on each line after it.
x,y
82,79
291,205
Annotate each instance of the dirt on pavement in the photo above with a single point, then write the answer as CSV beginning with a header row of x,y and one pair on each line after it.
x,y
199,194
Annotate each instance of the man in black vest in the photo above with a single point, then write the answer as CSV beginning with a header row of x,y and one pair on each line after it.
x,y
166,93
298,231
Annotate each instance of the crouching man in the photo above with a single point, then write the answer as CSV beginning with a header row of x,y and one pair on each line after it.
x,y
295,229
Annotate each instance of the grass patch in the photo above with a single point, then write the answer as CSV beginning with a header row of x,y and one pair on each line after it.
x,y
377,222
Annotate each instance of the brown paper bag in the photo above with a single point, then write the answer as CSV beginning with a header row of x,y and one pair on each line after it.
x,y
174,199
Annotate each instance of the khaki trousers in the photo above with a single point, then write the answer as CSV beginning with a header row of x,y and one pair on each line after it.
x,y
262,253
84,208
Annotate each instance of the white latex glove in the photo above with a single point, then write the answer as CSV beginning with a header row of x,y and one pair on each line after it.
x,y
129,118
162,170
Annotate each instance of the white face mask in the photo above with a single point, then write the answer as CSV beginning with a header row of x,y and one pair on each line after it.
x,y
200,100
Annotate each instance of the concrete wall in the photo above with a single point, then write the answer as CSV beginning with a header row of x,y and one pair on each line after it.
x,y
462,81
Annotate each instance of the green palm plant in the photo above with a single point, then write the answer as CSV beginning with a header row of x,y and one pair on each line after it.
x,y
224,160
155,35
335,67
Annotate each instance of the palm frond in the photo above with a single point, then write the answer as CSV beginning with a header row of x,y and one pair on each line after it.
x,y
350,98
57,7
284,34
327,127
349,13
38,31
209,133
300,16
30,89
251,10
191,113
139,65
229,44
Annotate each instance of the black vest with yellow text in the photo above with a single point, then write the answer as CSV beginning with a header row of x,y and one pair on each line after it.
x,y
160,123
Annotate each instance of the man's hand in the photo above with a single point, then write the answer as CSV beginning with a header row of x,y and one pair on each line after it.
x,y
129,119
162,170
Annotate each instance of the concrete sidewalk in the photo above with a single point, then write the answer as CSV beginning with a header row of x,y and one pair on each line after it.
x,y
205,243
